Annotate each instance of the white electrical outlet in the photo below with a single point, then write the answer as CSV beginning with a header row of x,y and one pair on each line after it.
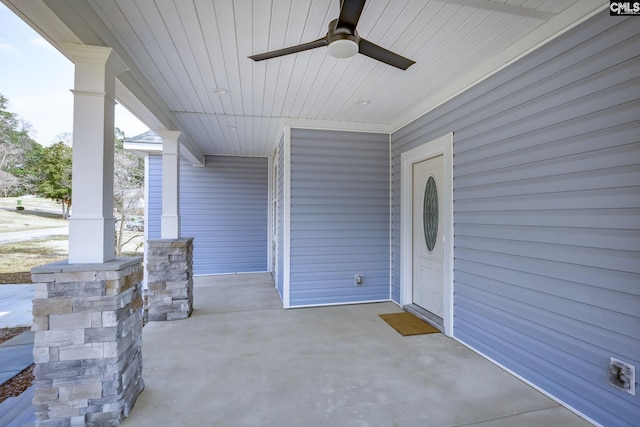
x,y
622,375
359,279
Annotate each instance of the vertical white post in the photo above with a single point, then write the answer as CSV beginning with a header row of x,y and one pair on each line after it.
x,y
170,219
92,225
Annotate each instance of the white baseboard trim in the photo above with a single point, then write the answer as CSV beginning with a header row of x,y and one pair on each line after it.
x,y
339,303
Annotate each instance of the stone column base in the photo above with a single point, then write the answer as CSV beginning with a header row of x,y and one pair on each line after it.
x,y
87,320
169,279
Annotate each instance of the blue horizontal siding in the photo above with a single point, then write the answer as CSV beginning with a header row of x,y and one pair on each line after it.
x,y
546,214
154,197
339,217
280,218
224,206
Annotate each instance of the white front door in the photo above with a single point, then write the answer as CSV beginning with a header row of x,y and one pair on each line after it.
x,y
428,284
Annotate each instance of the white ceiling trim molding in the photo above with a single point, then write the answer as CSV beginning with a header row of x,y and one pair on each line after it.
x,y
137,108
550,30
187,151
338,126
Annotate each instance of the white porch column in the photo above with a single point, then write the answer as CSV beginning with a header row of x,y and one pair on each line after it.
x,y
92,225
170,219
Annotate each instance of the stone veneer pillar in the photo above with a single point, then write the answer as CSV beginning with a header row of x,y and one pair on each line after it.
x,y
87,320
169,279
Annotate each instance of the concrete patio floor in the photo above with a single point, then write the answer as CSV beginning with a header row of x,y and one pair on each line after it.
x,y
241,360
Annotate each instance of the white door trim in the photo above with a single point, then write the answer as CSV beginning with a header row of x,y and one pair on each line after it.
x,y
440,146
286,228
271,254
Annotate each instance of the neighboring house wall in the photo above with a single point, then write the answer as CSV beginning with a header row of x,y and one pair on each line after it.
x,y
546,208
224,206
339,217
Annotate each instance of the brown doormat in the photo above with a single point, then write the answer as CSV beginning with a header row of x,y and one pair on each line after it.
x,y
408,324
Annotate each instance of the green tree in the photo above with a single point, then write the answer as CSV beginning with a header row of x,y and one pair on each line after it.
x,y
19,154
11,129
55,175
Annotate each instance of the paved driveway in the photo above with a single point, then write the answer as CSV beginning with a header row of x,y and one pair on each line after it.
x,y
15,305
20,236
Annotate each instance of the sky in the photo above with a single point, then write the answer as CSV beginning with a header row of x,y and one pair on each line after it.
x,y
37,80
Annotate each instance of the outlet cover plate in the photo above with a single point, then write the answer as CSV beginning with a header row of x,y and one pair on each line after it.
x,y
622,375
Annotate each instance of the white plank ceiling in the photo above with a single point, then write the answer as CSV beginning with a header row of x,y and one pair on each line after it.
x,y
188,48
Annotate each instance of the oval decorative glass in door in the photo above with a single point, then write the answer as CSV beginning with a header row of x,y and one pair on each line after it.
x,y
430,213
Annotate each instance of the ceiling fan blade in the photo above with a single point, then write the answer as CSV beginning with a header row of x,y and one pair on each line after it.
x,y
381,54
350,11
289,50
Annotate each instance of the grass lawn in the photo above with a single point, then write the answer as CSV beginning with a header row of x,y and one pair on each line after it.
x,y
14,220
17,258
22,256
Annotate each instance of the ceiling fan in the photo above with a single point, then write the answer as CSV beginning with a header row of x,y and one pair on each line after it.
x,y
343,40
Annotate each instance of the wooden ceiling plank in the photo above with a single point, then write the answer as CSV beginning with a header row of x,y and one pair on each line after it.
x,y
557,6
245,65
184,50
475,46
311,77
472,47
214,53
320,14
260,43
504,8
122,27
226,20
451,19
298,14
378,89
280,16
319,95
159,39
201,71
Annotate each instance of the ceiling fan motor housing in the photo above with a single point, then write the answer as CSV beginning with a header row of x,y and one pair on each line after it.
x,y
342,42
